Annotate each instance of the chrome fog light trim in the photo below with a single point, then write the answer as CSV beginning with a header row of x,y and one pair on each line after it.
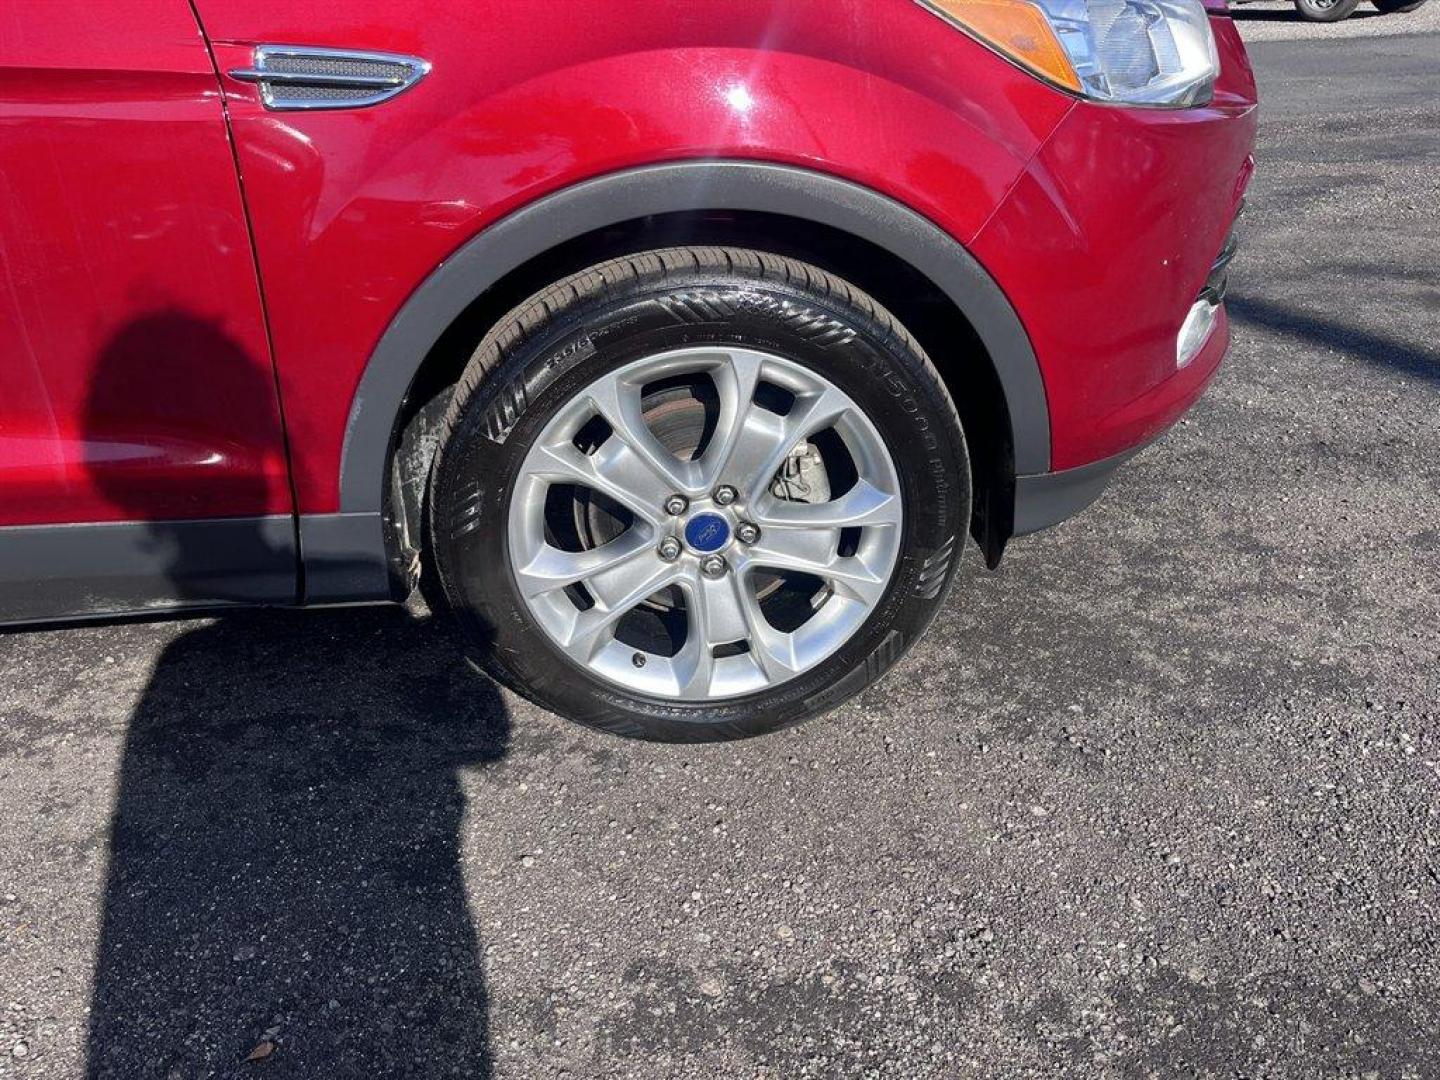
x,y
1196,330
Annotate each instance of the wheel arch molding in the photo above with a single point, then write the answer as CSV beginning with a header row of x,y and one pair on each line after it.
x,y
346,553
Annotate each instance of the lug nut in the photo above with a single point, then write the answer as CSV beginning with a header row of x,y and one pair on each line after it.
x,y
676,505
747,532
669,549
725,495
713,566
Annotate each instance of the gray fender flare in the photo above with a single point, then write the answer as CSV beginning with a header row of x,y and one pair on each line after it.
x,y
331,543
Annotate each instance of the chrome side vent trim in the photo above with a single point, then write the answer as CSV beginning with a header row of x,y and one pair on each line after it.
x,y
301,77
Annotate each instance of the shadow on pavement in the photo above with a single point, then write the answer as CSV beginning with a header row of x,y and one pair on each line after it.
x,y
285,864
1362,344
285,878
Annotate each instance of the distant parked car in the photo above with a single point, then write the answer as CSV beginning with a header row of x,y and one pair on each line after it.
x,y
1326,11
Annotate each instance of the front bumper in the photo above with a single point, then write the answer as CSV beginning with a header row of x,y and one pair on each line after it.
x,y
1106,244
1049,498
1046,499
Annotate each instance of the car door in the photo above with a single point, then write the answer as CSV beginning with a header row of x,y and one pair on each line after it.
x,y
142,454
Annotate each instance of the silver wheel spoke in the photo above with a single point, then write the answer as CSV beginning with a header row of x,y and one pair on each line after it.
x,y
616,591
772,650
864,505
721,612
814,552
553,568
695,663
695,669
619,403
805,537
766,439
626,582
735,381
612,471
715,615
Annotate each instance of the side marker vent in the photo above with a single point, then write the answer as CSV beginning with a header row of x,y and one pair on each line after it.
x,y
299,77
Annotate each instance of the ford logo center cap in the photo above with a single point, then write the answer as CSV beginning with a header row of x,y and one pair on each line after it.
x,y
707,532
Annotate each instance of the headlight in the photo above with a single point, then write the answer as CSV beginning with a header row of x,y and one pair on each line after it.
x,y
1134,52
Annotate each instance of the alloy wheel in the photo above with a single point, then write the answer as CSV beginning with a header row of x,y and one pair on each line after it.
x,y
704,523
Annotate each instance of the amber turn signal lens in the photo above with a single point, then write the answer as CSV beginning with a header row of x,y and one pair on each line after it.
x,y
1014,28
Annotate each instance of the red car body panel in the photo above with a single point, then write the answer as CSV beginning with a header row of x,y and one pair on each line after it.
x,y
528,98
130,315
1105,243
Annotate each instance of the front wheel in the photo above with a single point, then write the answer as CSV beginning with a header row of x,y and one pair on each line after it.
x,y
1326,11
1398,7
697,493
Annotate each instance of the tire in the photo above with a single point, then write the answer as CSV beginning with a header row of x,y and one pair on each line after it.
x,y
1326,11
1398,7
538,369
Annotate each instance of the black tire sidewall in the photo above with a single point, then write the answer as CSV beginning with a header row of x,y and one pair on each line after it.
x,y
478,467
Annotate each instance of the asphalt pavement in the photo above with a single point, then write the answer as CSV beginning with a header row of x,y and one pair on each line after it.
x,y
1160,798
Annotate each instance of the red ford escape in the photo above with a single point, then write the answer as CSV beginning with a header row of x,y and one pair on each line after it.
x,y
675,345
